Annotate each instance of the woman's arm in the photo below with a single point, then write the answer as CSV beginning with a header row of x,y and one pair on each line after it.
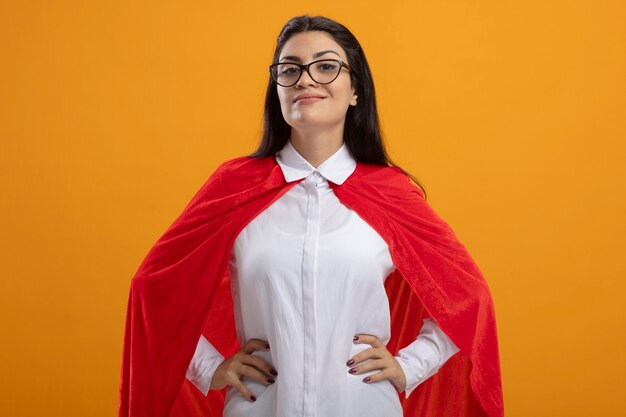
x,y
422,359
413,364
203,365
208,369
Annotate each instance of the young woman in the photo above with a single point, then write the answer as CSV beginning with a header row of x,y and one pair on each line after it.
x,y
310,268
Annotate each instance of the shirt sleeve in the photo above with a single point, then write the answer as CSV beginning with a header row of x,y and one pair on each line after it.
x,y
205,361
422,359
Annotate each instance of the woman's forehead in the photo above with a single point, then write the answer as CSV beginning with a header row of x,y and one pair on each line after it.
x,y
311,45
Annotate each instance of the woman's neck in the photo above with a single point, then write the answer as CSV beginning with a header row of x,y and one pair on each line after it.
x,y
317,146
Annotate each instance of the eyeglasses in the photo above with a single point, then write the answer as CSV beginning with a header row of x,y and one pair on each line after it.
x,y
324,71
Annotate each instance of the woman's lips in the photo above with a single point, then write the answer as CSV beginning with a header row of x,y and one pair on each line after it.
x,y
309,100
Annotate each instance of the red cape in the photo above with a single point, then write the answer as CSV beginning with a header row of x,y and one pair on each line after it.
x,y
182,290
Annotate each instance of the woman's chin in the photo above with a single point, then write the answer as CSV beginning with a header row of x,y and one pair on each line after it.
x,y
306,121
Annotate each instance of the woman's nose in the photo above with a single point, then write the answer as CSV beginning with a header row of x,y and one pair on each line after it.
x,y
305,79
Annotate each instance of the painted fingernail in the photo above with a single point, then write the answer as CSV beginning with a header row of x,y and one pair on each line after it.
x,y
350,362
253,398
270,380
273,372
356,338
366,379
352,370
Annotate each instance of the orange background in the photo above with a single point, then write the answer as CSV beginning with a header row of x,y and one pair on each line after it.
x,y
114,113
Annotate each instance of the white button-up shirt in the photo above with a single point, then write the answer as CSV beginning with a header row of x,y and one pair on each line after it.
x,y
307,274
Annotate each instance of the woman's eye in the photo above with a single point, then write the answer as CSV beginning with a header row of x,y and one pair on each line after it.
x,y
288,71
327,67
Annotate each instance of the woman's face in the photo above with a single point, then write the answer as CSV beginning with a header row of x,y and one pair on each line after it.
x,y
331,110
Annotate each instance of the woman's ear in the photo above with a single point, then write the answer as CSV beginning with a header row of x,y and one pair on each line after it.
x,y
354,97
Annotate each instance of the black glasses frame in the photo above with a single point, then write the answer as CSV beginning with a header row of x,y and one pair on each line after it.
x,y
306,67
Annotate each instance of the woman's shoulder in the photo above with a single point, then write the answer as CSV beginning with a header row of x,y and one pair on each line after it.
x,y
388,179
233,164
243,165
242,172
234,175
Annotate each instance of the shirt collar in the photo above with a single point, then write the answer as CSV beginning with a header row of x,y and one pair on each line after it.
x,y
337,168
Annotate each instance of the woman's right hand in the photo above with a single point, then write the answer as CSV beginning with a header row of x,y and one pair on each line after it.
x,y
243,363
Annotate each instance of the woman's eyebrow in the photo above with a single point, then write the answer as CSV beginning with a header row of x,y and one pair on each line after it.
x,y
315,55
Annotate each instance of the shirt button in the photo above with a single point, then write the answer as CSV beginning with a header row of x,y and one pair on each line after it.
x,y
317,174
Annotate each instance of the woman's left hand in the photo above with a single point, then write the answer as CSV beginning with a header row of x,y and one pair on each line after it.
x,y
377,357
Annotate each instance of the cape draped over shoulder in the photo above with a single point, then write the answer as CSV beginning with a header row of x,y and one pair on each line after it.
x,y
182,290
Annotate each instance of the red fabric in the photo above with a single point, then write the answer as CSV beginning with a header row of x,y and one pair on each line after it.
x,y
182,290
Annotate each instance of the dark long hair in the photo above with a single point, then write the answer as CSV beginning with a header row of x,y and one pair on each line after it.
x,y
362,134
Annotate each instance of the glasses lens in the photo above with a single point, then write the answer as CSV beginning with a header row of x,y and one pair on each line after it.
x,y
325,71
286,74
